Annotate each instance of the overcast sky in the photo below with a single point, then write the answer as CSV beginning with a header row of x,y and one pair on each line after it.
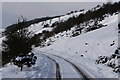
x,y
30,10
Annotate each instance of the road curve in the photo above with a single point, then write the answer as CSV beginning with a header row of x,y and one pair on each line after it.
x,y
58,74
68,69
76,68
65,68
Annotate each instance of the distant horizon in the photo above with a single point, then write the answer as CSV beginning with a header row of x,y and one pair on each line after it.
x,y
11,11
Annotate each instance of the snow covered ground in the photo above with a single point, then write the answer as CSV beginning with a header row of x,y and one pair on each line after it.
x,y
82,50
85,48
44,68
67,71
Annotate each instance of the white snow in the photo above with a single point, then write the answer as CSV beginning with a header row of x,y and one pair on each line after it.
x,y
38,28
90,45
67,71
98,43
44,68
46,29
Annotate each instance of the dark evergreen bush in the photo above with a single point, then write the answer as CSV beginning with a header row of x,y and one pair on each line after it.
x,y
29,60
111,61
17,42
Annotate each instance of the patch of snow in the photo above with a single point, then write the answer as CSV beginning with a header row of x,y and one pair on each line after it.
x,y
38,28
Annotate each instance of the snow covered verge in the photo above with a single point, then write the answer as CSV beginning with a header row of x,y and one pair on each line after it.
x,y
85,48
44,68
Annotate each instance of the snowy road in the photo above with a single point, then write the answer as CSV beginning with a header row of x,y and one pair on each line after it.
x,y
65,68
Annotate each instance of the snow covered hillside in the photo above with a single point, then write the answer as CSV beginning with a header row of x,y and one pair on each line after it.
x,y
38,28
72,41
85,48
82,50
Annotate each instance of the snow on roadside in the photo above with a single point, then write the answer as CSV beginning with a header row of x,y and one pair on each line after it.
x,y
85,48
42,69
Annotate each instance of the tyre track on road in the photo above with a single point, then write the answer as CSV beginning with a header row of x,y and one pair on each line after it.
x,y
75,67
58,73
